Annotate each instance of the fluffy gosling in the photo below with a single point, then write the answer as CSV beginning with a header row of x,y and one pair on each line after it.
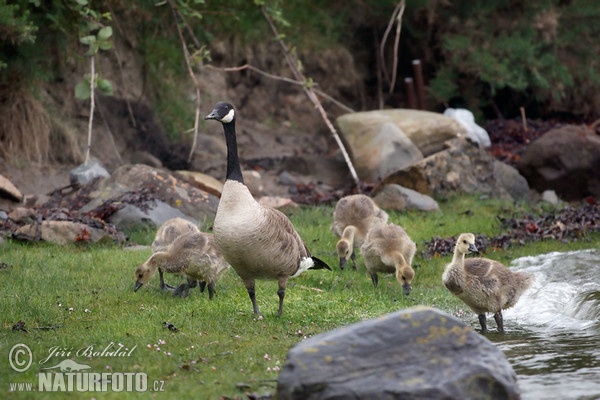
x,y
482,284
353,216
388,249
193,255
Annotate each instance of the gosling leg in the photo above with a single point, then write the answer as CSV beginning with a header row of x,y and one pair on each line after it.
x,y
211,289
375,279
163,285
202,286
483,322
499,321
353,258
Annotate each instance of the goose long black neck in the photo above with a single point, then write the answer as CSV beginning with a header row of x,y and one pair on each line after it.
x,y
234,170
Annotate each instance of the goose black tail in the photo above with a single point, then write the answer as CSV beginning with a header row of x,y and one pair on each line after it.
x,y
320,264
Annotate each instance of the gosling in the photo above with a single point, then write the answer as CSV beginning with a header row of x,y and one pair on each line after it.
x,y
193,255
482,284
388,249
353,216
165,235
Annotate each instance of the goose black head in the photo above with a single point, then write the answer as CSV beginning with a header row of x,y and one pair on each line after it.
x,y
223,112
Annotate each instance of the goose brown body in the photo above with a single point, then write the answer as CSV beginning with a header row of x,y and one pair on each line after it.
x,y
353,216
388,249
484,285
258,242
193,255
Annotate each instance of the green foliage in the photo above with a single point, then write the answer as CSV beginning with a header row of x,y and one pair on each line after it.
x,y
541,51
75,296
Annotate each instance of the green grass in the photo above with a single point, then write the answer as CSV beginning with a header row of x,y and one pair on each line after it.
x,y
221,348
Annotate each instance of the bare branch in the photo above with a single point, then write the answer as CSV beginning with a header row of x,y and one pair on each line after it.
x,y
188,64
92,104
308,89
395,18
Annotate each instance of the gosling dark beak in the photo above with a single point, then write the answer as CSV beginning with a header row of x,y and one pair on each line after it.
x,y
213,115
473,248
406,288
342,263
138,285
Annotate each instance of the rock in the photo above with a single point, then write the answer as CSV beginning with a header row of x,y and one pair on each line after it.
x,y
22,214
201,181
9,190
509,178
254,182
281,203
130,216
396,197
143,157
156,186
63,232
85,173
463,167
549,196
466,118
417,353
565,159
387,140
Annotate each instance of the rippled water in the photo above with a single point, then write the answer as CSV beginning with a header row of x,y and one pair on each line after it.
x,y
552,337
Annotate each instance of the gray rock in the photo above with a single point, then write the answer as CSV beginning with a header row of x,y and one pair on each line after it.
x,y
462,168
417,353
396,197
549,196
132,216
509,178
566,160
85,173
162,189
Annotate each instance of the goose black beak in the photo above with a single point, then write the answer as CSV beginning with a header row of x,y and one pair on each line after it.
x,y
473,248
138,285
213,115
406,288
319,264
342,263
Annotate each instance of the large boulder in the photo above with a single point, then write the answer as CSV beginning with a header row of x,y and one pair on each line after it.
x,y
462,167
566,160
415,353
384,141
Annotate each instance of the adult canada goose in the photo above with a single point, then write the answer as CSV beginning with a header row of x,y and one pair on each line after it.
x,y
482,284
258,242
193,255
388,249
165,235
353,216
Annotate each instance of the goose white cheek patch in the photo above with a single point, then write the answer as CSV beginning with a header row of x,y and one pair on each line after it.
x,y
229,117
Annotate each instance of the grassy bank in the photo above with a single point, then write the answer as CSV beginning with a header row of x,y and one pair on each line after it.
x,y
81,299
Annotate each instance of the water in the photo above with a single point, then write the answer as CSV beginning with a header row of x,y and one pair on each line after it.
x,y
552,337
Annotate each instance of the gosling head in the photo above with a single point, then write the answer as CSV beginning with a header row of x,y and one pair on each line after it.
x,y
344,251
223,112
405,275
143,274
466,244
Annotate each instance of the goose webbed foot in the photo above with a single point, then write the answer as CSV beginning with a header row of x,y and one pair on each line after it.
x,y
182,290
482,322
499,321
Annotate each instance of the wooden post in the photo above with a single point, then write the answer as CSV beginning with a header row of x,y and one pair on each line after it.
x,y
420,85
410,93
